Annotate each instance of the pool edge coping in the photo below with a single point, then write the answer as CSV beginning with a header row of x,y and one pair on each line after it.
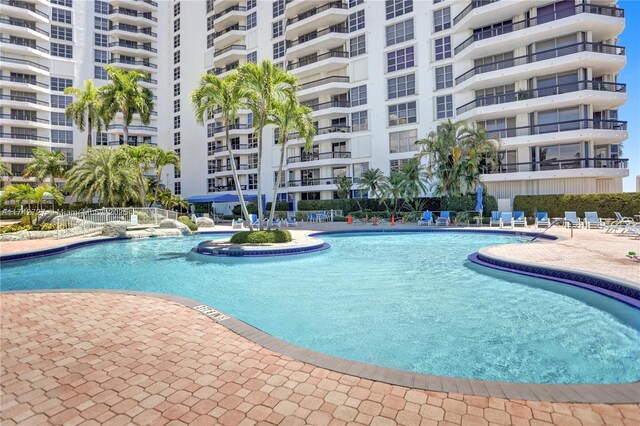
x,y
618,393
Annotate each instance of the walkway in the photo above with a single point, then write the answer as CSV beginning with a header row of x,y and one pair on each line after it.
x,y
114,359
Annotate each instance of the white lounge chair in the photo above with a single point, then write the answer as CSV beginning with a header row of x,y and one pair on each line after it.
x,y
591,220
519,218
495,219
542,219
237,224
506,218
571,220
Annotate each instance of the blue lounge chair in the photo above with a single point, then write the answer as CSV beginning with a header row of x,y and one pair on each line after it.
x,y
443,219
542,219
322,217
495,219
519,218
506,219
571,220
427,219
591,220
291,222
254,220
312,217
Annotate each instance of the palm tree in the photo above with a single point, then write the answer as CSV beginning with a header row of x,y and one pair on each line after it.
x,y
47,192
394,188
413,179
139,159
103,173
161,159
85,110
19,193
290,117
170,201
480,155
124,94
261,86
216,93
5,170
46,164
374,182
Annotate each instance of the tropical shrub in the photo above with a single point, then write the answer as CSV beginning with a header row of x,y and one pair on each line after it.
x,y
185,219
468,203
9,216
365,204
276,236
627,203
143,217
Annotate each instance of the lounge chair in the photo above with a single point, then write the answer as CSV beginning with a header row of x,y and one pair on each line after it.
x,y
427,219
591,220
495,219
312,217
322,217
254,220
542,219
506,218
620,225
571,220
291,222
443,219
237,224
519,218
277,223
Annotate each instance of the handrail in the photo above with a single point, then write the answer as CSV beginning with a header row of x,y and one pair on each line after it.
x,y
542,55
325,131
555,222
23,61
557,89
227,167
235,126
315,181
318,156
330,104
474,4
317,58
146,31
149,80
236,147
133,13
23,99
538,20
23,24
29,45
24,118
314,11
325,80
559,126
235,27
141,128
229,10
24,137
127,62
136,46
229,49
24,5
543,165
24,81
339,29
8,154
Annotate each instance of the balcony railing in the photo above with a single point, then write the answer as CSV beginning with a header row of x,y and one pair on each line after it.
x,y
24,137
31,44
231,187
232,66
326,80
560,126
128,62
32,82
7,154
134,14
27,99
473,5
538,20
23,24
542,92
229,10
330,104
227,167
133,46
315,181
24,5
541,56
318,156
317,58
236,27
151,81
128,29
236,147
130,143
134,128
237,126
565,164
325,131
337,29
23,62
309,13
229,49
22,117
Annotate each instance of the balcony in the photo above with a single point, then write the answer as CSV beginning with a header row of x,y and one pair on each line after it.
x,y
133,14
21,137
238,126
132,63
142,33
230,34
231,48
132,47
554,164
235,147
316,10
328,85
28,8
319,156
22,117
21,26
239,167
231,187
542,56
230,16
16,46
134,128
584,8
144,4
473,5
24,99
314,182
18,83
327,38
130,143
7,154
559,89
230,67
325,133
319,63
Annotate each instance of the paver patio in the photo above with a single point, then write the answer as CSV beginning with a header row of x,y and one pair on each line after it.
x,y
87,358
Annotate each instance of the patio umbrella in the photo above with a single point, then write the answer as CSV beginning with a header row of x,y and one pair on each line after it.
x,y
479,199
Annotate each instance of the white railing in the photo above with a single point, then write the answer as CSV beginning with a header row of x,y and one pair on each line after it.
x,y
87,222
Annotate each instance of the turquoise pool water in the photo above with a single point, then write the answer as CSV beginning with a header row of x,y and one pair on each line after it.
x,y
405,301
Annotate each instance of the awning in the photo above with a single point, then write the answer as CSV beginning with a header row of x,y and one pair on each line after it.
x,y
221,198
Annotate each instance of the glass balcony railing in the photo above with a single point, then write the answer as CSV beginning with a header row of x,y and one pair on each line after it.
x,y
473,5
318,156
555,127
559,164
313,59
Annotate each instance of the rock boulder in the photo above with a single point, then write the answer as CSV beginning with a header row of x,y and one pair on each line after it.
x,y
204,222
116,229
170,223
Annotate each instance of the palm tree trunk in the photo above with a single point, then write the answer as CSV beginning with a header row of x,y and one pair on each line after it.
x,y
260,134
236,178
89,131
276,185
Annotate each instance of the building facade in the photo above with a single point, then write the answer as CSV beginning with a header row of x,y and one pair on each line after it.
x,y
540,76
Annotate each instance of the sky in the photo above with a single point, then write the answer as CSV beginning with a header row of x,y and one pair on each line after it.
x,y
630,75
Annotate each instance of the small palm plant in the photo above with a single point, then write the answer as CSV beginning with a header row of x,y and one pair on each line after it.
x,y
46,164
85,110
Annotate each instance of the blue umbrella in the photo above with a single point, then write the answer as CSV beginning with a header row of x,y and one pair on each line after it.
x,y
479,199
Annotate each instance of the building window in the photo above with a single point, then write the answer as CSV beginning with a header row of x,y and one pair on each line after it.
x,y
176,138
61,33
211,166
176,9
101,24
210,39
251,20
100,73
210,20
60,15
444,106
354,3
356,21
210,5
176,73
402,31
251,4
253,182
402,114
59,101
277,29
404,141
278,49
359,121
358,46
176,89
394,165
398,7
101,139
442,48
176,41
405,85
252,57
400,59
177,151
177,188
359,95
442,19
62,50
278,8
60,119
176,105
101,7
444,77
101,40
176,25
211,129
62,136
59,84
66,3
176,57
101,56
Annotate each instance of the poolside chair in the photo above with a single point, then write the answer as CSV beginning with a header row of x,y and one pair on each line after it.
x,y
312,217
443,219
571,220
542,219
591,220
322,217
519,218
254,220
237,224
506,218
277,223
620,225
291,222
427,219
495,219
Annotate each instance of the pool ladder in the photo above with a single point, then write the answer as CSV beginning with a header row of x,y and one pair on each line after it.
x,y
555,222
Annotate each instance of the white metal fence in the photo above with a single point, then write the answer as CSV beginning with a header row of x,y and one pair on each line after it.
x,y
87,222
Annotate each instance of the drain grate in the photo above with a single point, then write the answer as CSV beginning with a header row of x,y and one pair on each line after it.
x,y
211,313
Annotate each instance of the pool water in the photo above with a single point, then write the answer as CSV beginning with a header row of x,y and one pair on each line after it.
x,y
404,301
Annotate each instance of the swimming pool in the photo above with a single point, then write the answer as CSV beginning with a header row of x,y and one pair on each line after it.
x,y
405,301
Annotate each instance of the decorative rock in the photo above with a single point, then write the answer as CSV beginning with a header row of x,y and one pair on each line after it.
x,y
204,222
115,229
170,223
47,216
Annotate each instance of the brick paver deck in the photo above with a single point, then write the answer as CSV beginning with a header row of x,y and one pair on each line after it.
x,y
83,358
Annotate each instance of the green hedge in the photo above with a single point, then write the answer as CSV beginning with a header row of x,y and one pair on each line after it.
x,y
281,206
468,203
185,219
363,204
261,237
627,203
